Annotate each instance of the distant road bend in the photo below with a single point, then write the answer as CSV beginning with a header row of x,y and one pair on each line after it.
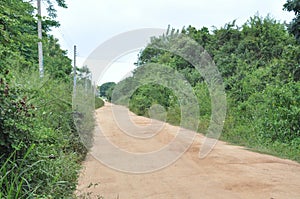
x,y
227,172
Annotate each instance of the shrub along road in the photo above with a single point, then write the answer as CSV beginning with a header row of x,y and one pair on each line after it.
x,y
227,172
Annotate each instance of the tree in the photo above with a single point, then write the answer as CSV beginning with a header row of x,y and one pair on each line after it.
x,y
18,41
294,26
259,63
106,89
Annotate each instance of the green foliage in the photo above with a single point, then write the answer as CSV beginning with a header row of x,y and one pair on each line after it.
x,y
39,144
51,10
18,38
294,26
84,105
18,31
277,112
45,119
204,101
98,103
15,117
147,95
106,90
13,177
56,62
260,65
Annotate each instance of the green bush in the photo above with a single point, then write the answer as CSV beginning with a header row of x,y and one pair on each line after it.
x,y
38,112
277,112
40,146
16,116
259,63
98,102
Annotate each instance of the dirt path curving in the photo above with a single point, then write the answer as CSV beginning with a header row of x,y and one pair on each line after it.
x,y
227,172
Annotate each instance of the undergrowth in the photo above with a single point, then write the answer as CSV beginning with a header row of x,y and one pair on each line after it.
x,y
41,149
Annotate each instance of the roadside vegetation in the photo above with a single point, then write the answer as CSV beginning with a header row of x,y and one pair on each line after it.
x,y
45,133
40,146
260,65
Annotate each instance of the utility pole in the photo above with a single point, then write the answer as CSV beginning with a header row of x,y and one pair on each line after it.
x,y
40,45
74,71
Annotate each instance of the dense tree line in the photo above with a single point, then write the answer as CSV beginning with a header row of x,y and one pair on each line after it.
x,y
260,65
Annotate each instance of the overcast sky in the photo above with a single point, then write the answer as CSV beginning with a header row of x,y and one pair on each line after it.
x,y
89,23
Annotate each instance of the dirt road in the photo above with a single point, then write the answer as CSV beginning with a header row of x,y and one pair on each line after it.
x,y
227,172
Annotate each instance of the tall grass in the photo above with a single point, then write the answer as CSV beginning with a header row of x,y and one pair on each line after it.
x,y
13,182
48,163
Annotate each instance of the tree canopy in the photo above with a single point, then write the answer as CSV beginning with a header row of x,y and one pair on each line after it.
x,y
106,89
294,26
260,65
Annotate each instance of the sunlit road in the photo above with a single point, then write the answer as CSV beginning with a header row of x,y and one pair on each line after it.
x,y
227,172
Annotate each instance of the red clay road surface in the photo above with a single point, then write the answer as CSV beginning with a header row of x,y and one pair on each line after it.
x,y
227,172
